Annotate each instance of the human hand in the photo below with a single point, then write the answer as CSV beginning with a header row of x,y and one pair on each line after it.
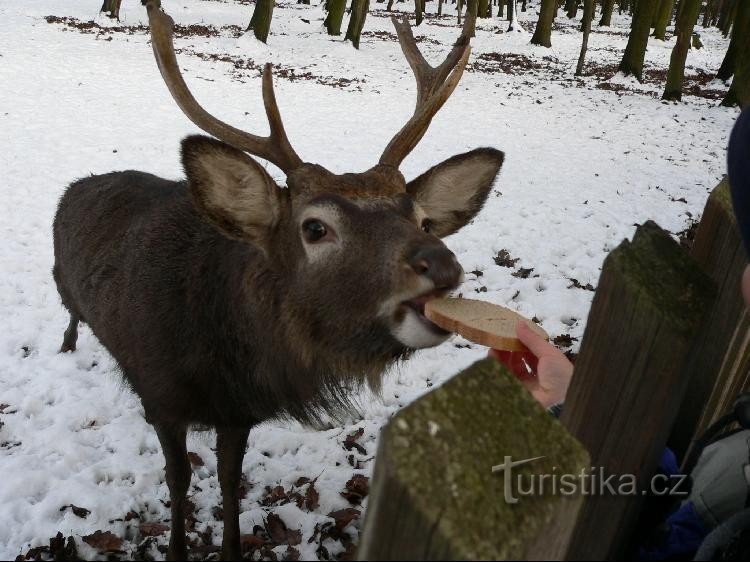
x,y
543,370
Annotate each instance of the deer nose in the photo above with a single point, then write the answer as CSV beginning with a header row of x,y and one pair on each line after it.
x,y
439,265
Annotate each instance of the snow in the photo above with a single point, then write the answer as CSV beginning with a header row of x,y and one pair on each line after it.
x,y
583,166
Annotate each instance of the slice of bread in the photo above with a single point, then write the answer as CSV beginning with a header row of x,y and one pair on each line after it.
x,y
479,321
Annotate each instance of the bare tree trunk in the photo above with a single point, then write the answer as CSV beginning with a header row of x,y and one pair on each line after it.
x,y
726,16
440,8
389,7
635,51
500,8
739,30
482,8
571,8
663,16
111,8
512,10
543,32
260,23
739,91
687,17
588,15
418,11
332,23
357,21
607,9
523,6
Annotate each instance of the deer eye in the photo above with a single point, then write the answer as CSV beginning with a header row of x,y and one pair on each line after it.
x,y
313,230
426,225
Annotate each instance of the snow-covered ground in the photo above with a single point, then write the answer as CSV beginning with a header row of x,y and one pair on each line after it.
x,y
586,160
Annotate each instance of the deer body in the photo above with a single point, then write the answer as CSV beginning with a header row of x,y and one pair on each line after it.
x,y
227,300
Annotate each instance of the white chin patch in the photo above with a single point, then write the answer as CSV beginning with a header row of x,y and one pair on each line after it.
x,y
412,332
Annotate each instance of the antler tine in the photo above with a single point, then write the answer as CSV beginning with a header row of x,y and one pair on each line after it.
x,y
275,148
434,86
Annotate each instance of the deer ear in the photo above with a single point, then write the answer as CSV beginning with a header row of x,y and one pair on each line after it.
x,y
230,189
453,192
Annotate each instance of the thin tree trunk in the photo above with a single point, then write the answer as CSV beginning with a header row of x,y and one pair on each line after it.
x,y
389,7
686,20
459,9
260,23
571,8
635,51
418,11
523,6
607,9
111,8
740,29
332,23
727,15
739,91
500,8
482,8
543,32
663,16
440,8
512,12
357,21
588,15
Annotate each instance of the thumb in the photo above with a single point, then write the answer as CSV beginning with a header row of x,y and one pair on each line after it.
x,y
536,343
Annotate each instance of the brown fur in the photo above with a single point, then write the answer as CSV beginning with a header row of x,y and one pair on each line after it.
x,y
202,292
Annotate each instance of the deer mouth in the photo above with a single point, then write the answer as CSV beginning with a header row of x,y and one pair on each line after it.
x,y
417,305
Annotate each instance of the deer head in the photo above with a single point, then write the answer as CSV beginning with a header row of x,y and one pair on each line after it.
x,y
359,253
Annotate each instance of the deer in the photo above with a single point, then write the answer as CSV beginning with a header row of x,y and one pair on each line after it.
x,y
227,300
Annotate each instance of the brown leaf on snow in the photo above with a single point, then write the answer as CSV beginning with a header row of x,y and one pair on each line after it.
x,y
279,532
274,495
81,512
351,441
312,498
195,459
250,542
130,515
357,488
343,517
291,554
152,528
104,541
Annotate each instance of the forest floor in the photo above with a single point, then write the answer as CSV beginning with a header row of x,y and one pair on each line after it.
x,y
587,159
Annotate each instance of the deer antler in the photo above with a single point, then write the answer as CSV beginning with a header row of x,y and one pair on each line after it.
x,y
275,148
434,86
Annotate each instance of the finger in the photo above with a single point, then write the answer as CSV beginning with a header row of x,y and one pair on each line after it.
x,y
536,343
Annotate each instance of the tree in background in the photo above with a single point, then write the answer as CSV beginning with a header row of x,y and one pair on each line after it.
x,y
662,17
260,23
419,11
111,8
635,51
512,14
607,9
687,17
588,15
332,23
543,32
571,8
740,29
357,21
739,91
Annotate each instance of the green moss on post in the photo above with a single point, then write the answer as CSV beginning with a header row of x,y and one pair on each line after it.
x,y
434,495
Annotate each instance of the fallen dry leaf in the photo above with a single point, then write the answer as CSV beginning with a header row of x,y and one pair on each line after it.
x,y
104,541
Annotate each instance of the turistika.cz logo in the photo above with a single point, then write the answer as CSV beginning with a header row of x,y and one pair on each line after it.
x,y
590,481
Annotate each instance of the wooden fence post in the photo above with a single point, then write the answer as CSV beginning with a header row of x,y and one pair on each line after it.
x,y
717,372
629,377
434,495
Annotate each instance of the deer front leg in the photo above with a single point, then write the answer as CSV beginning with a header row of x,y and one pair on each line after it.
x,y
230,450
172,439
